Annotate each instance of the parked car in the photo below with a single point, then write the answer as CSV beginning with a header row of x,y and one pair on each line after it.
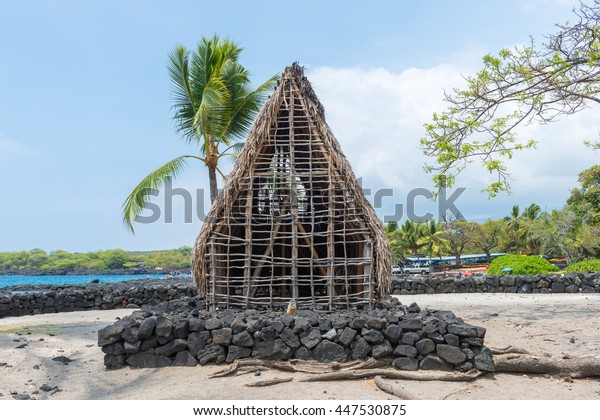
x,y
416,269
396,269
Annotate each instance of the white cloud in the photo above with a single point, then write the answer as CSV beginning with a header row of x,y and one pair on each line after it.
x,y
378,116
10,148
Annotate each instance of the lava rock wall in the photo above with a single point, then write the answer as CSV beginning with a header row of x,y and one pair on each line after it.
x,y
67,298
409,337
541,283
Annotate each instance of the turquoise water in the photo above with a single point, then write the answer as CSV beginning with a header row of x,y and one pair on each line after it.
x,y
81,279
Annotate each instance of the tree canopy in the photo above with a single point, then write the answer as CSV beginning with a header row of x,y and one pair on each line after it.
x,y
37,260
585,200
517,87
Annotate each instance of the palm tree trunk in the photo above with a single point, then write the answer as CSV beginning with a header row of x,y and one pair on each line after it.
x,y
212,177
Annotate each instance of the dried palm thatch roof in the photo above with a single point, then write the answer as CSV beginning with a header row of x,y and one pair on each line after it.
x,y
291,220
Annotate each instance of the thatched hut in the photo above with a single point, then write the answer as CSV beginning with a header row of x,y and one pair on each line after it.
x,y
292,221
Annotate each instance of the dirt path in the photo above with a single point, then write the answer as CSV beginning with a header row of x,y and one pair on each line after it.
x,y
556,324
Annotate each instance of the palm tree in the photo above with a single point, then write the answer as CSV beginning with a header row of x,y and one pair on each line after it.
x,y
532,212
514,226
432,239
411,234
530,216
214,107
404,241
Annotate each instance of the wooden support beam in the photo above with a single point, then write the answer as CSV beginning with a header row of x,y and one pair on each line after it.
x,y
293,199
368,254
314,253
268,251
330,238
213,275
248,244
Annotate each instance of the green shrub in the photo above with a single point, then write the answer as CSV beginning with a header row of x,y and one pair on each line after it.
x,y
593,264
521,264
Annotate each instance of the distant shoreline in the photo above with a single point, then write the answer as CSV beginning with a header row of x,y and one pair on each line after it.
x,y
84,272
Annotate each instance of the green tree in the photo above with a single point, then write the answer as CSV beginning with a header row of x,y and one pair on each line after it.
x,y
520,85
486,236
532,212
37,259
406,241
432,239
457,235
514,224
391,227
214,107
114,258
589,238
411,235
530,243
558,233
585,201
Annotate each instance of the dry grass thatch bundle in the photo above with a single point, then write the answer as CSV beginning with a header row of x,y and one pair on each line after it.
x,y
292,221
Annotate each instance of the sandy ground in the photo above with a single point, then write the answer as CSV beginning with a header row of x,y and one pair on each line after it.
x,y
556,324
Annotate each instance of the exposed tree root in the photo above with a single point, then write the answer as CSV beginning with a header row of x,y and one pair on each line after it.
x,y
509,349
429,375
250,369
464,388
269,382
577,367
392,390
509,359
546,334
305,366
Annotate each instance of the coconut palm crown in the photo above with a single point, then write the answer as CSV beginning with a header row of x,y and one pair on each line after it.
x,y
214,106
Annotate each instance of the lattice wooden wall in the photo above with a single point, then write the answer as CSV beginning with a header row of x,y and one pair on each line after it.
x,y
293,231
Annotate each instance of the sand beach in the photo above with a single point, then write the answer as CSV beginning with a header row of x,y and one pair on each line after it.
x,y
55,356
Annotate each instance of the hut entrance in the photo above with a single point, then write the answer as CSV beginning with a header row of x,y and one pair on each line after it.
x,y
291,224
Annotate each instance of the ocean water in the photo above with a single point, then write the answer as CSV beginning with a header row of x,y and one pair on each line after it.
x,y
80,279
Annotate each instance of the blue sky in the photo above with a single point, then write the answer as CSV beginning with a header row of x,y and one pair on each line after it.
x,y
85,102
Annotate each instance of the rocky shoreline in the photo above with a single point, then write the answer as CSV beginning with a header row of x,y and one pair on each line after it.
x,y
90,272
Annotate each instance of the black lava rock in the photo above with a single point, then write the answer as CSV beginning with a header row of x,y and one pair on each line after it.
x,y
184,358
236,352
311,338
147,360
451,354
379,351
211,353
327,352
243,339
406,363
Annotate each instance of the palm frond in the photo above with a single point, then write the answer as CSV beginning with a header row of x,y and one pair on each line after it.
x,y
135,202
213,113
213,105
184,101
246,105
232,151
